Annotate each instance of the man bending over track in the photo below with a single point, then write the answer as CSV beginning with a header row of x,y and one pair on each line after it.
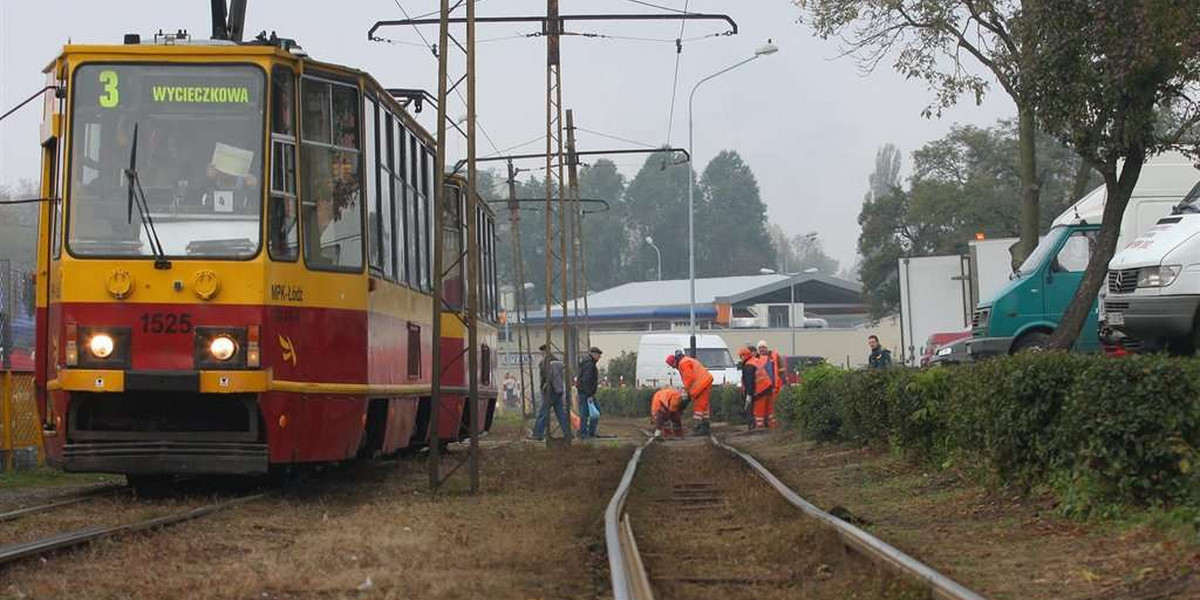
x,y
666,410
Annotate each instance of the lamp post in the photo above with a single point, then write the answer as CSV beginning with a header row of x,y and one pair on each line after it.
x,y
650,240
765,50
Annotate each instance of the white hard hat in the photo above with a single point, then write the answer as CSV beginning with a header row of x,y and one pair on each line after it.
x,y
762,344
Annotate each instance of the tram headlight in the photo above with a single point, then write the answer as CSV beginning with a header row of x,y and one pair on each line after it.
x,y
101,345
222,348
104,347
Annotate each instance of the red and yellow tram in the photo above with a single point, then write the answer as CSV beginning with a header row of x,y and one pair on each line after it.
x,y
235,271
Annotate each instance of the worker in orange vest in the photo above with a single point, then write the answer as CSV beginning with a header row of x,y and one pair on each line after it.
x,y
666,410
757,387
774,367
697,383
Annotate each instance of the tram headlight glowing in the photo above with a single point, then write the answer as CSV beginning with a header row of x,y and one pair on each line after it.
x,y
222,347
101,345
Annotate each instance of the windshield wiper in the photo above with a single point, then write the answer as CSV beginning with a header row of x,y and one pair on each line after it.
x,y
135,183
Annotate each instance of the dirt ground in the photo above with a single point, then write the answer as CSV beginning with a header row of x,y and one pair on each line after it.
x,y
708,527
999,544
371,530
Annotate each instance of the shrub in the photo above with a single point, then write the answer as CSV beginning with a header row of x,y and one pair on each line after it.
x,y
625,401
1132,427
814,407
1100,430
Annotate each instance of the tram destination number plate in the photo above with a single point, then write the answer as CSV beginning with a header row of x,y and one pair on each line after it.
x,y
166,323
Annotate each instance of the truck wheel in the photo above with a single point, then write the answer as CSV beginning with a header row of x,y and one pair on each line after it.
x,y
1034,341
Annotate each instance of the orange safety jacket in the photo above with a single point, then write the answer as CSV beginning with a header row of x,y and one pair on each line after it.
x,y
668,399
695,377
762,381
780,374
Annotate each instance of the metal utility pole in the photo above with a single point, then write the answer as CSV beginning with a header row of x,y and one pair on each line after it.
x,y
473,238
579,267
556,217
524,348
444,205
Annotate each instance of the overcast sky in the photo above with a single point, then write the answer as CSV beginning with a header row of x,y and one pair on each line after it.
x,y
806,121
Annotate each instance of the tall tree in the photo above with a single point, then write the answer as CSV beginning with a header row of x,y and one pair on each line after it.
x,y
928,38
656,206
606,243
962,184
1119,81
731,232
886,175
800,253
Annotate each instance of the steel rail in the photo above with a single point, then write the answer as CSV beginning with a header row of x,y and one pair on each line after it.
x,y
15,514
941,587
15,552
618,537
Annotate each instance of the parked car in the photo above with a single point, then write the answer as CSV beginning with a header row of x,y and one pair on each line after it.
x,y
938,342
796,364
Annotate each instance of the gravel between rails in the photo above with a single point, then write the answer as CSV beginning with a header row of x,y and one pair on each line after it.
x,y
708,527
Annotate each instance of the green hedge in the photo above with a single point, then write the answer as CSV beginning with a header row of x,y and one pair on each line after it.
x,y
725,403
1100,431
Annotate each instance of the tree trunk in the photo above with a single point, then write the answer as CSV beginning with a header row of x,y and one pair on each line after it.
x,y
1030,186
1119,190
1083,175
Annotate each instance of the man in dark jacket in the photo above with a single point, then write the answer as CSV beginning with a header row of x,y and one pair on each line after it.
x,y
588,381
553,389
880,358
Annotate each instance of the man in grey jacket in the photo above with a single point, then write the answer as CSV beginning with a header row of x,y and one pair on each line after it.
x,y
553,387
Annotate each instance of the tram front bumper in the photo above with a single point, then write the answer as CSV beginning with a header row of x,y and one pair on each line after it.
x,y
174,457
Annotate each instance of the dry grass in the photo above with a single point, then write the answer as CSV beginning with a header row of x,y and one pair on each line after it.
x,y
710,528
370,531
999,544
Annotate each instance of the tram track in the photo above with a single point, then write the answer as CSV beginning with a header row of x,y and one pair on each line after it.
x,y
12,553
711,520
61,502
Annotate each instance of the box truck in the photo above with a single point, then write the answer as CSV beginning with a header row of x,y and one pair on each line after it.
x,y
939,293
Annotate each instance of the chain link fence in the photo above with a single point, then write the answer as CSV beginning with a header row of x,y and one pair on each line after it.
x,y
20,427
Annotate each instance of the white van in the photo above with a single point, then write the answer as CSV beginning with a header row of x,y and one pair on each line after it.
x,y
711,350
1154,284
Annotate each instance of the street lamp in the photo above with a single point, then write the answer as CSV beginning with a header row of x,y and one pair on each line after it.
x,y
650,240
765,50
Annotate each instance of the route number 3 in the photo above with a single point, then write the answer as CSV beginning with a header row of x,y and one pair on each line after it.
x,y
112,96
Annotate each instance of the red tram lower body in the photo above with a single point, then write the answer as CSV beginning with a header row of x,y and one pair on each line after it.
x,y
329,385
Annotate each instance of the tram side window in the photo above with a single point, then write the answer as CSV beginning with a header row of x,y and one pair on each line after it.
x,y
494,298
379,202
452,236
283,241
416,234
329,160
427,184
404,205
395,194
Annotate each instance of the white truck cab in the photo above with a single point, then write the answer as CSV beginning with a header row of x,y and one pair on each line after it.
x,y
1153,287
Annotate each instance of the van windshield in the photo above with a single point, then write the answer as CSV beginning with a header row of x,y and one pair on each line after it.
x,y
715,358
1191,202
1039,254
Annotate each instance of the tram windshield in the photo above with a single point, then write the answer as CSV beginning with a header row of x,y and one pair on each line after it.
x,y
199,133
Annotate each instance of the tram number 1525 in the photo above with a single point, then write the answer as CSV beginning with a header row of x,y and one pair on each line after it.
x,y
166,323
